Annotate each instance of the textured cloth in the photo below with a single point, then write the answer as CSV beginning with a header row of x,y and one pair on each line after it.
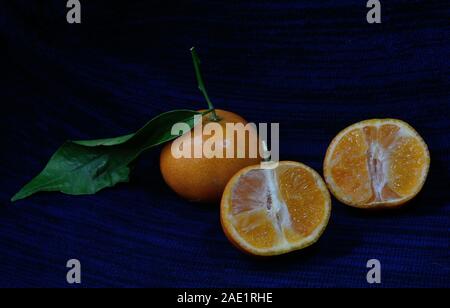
x,y
315,67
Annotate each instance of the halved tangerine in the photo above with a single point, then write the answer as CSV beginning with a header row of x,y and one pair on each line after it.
x,y
271,211
376,163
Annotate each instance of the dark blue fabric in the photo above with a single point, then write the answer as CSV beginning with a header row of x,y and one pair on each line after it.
x,y
313,66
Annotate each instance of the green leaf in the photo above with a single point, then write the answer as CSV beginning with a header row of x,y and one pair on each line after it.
x,y
87,166
106,141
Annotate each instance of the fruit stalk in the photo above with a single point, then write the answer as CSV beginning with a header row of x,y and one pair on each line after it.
x,y
201,84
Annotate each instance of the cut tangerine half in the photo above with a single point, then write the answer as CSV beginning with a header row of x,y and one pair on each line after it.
x,y
376,163
271,211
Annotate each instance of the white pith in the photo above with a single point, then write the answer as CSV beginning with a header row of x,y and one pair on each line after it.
x,y
379,161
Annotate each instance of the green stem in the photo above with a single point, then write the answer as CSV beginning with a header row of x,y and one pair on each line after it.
x,y
201,84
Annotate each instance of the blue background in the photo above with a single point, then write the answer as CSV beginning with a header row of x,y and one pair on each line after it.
x,y
313,66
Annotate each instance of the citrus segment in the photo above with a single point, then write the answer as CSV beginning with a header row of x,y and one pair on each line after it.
x,y
376,163
274,211
256,228
303,198
349,161
387,134
408,163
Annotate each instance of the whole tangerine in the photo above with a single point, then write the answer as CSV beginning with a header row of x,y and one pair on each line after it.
x,y
204,179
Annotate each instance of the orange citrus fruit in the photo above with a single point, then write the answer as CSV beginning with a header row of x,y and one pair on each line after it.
x,y
273,211
376,163
203,179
